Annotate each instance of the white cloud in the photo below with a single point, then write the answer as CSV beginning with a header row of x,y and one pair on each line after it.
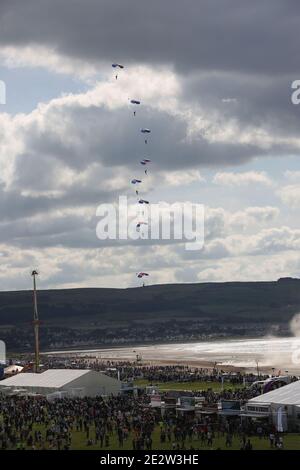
x,y
264,242
292,175
48,58
290,195
182,178
242,179
260,268
252,216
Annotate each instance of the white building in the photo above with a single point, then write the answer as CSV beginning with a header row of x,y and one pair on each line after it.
x,y
62,382
281,406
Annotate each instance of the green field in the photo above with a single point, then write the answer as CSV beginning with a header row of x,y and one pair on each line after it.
x,y
79,442
188,386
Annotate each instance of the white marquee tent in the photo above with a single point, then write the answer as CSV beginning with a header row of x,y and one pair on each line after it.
x,y
281,405
69,382
287,395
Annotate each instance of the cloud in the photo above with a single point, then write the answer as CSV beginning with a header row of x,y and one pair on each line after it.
x,y
242,179
266,241
84,148
209,105
251,217
292,175
178,178
290,195
264,254
93,32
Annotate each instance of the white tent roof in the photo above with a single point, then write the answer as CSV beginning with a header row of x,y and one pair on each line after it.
x,y
287,395
13,368
52,378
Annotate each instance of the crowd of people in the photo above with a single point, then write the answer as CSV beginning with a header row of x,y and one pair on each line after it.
x,y
129,371
128,419
112,422
36,423
181,373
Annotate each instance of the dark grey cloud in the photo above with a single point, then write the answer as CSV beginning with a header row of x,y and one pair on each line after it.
x,y
260,35
258,101
16,206
113,139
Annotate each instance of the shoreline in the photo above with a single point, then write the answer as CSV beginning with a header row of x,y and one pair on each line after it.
x,y
262,354
145,345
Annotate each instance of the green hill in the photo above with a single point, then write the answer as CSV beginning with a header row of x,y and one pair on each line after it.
x,y
229,302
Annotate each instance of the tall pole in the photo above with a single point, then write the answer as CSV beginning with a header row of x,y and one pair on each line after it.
x,y
36,324
257,368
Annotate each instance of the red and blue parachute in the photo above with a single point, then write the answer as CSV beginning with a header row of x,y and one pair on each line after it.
x,y
115,66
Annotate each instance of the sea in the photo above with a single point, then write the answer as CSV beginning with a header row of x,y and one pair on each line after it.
x,y
268,352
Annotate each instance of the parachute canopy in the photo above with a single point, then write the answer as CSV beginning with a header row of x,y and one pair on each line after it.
x,y
145,161
145,131
117,66
142,201
135,181
141,274
135,102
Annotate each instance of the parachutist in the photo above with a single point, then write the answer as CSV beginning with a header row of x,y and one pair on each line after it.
x,y
135,181
135,102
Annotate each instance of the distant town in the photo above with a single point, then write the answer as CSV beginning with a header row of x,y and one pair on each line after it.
x,y
51,338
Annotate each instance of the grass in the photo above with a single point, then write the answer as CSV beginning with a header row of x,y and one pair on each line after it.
x,y
188,386
79,442
291,442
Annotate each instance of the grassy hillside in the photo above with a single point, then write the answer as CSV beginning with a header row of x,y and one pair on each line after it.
x,y
230,302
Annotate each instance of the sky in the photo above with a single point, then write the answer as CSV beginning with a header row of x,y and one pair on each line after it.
x,y
214,79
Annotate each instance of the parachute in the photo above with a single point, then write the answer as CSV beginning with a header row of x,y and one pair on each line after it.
x,y
135,181
145,161
135,102
145,131
117,66
141,274
142,201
